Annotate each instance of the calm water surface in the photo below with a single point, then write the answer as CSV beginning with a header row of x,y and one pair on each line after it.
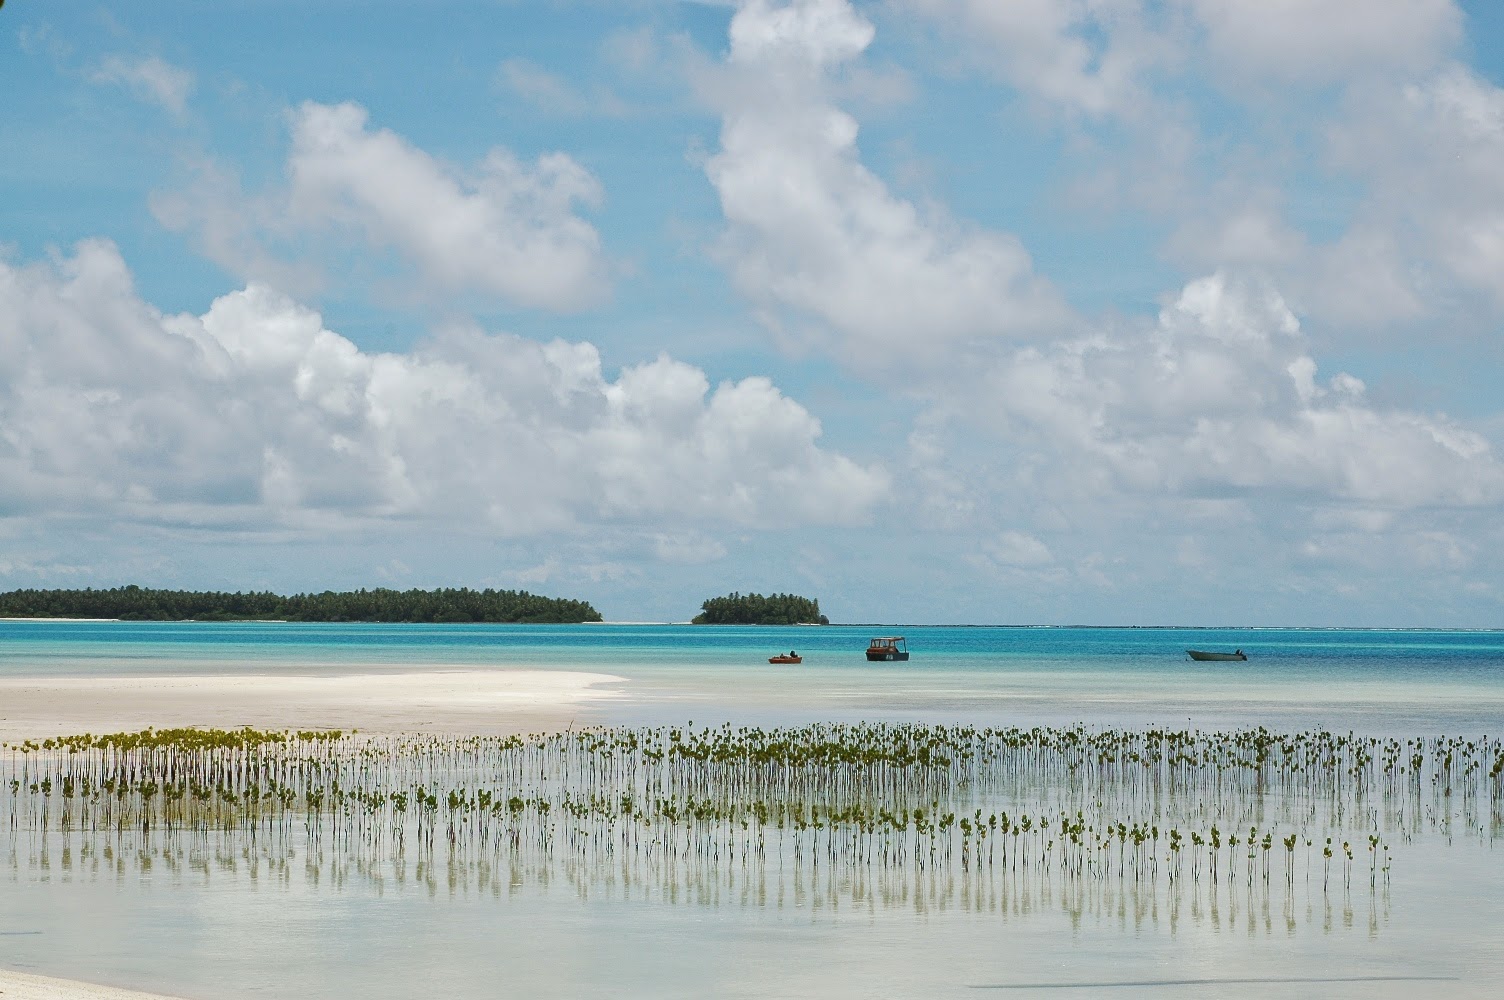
x,y
1368,681
252,926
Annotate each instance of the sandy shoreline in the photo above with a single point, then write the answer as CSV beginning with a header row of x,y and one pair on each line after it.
x,y
25,986
480,702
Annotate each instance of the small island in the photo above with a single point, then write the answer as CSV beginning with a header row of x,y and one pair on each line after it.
x,y
135,603
755,609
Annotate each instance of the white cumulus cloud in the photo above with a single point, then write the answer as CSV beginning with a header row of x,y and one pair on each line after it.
x,y
1361,168
506,228
812,231
254,413
1422,247
1221,397
1432,155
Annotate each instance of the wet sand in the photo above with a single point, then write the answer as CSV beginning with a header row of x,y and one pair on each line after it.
x,y
481,702
24,986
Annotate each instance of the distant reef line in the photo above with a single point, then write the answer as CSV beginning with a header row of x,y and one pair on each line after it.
x,y
445,605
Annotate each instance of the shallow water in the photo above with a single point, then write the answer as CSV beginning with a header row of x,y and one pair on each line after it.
x,y
244,935
293,922
1369,681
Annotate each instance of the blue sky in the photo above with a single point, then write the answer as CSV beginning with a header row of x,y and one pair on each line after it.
x,y
1052,311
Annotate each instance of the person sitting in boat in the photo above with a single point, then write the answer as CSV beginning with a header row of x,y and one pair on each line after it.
x,y
792,653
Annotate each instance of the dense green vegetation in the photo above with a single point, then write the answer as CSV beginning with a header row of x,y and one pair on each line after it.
x,y
448,605
755,609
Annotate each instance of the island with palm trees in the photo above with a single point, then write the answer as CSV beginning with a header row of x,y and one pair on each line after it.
x,y
755,609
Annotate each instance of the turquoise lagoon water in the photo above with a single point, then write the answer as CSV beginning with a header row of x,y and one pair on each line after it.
x,y
1408,682
264,922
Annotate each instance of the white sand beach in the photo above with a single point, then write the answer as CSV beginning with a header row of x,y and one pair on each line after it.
x,y
482,702
24,986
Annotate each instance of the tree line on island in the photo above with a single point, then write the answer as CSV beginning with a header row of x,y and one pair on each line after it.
x,y
135,603
755,609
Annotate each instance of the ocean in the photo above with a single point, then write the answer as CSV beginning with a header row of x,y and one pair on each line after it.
x,y
235,915
1371,681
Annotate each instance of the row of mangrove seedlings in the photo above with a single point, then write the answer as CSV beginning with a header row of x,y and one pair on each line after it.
x,y
1252,806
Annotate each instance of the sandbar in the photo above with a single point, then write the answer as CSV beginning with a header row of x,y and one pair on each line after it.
x,y
24,986
476,702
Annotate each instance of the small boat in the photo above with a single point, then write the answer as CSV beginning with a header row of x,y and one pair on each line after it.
x,y
888,647
1201,654
789,657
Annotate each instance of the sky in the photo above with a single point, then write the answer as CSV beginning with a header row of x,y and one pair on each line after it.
x,y
1142,312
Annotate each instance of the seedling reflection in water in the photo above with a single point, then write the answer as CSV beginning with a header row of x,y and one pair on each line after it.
x,y
875,809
